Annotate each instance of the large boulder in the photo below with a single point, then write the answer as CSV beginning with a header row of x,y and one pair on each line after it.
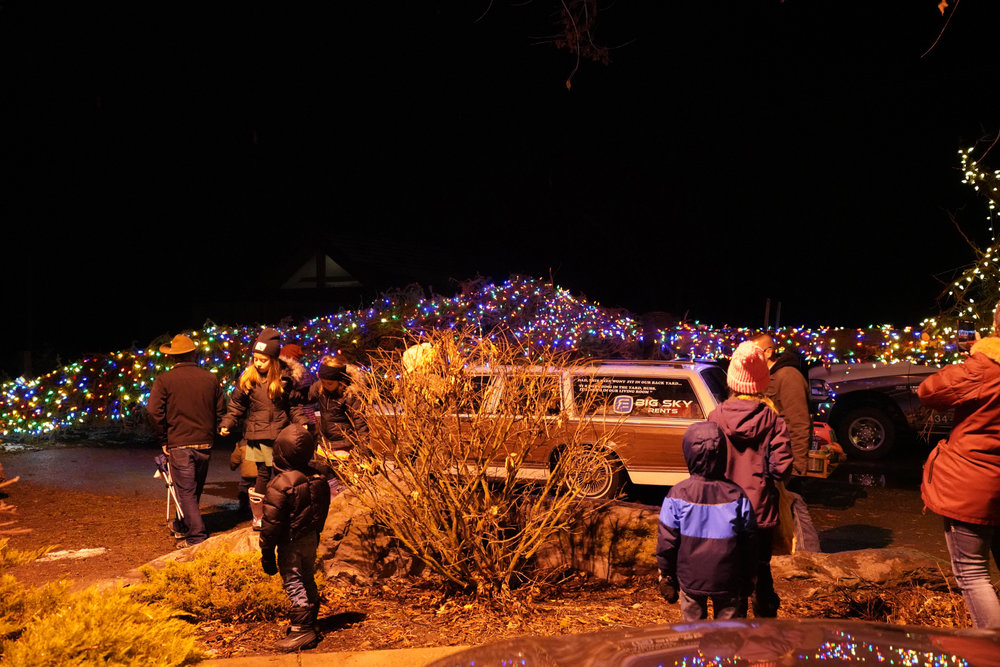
x,y
354,547
616,542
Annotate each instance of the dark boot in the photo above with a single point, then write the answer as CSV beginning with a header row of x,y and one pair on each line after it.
x,y
313,621
244,504
301,633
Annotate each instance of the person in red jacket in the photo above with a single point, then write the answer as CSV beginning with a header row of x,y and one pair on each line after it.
x,y
961,477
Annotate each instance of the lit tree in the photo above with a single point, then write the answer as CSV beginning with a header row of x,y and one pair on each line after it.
x,y
975,293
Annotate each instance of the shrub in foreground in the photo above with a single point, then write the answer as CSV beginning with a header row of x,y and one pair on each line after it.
x,y
19,604
214,585
103,628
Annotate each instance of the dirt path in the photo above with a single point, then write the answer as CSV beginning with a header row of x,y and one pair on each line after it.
x,y
99,501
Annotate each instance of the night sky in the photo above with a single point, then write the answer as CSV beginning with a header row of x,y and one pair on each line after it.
x,y
728,153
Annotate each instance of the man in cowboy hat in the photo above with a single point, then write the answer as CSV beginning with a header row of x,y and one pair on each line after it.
x,y
185,407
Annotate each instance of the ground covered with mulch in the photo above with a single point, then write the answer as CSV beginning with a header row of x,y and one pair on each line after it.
x,y
405,615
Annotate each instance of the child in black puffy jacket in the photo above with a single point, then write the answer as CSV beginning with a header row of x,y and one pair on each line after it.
x,y
295,507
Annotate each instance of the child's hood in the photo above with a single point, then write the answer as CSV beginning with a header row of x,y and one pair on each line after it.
x,y
704,448
745,420
293,448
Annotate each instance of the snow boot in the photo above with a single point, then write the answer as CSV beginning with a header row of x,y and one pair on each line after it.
x,y
256,508
301,633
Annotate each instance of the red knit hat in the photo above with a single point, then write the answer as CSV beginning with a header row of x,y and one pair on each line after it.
x,y
292,350
748,371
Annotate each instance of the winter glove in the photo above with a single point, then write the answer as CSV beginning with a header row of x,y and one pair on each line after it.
x,y
668,588
268,562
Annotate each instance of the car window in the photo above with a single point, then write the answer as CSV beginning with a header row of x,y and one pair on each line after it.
x,y
532,394
672,398
473,394
715,378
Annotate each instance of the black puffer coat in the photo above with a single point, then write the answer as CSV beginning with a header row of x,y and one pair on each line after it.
x,y
297,499
265,417
342,420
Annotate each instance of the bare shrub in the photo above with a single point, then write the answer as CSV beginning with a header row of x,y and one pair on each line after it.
x,y
447,450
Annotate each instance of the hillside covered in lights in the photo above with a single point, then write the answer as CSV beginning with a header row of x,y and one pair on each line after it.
x,y
111,389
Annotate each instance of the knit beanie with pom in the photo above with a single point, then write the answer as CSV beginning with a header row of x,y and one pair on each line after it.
x,y
748,371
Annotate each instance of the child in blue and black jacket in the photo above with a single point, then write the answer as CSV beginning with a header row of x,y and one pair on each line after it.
x,y
705,544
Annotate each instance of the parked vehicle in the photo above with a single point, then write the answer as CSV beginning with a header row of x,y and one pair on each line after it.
x,y
634,412
648,405
741,641
875,406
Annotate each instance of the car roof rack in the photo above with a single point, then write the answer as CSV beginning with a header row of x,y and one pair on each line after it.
x,y
649,362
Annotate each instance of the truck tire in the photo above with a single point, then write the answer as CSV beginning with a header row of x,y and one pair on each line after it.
x,y
866,433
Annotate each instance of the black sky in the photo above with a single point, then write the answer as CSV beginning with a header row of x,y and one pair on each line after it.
x,y
730,152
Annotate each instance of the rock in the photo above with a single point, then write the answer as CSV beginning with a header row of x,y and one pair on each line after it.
x,y
614,541
808,576
238,540
353,547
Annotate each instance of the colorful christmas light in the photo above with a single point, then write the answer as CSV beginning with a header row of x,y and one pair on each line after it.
x,y
113,388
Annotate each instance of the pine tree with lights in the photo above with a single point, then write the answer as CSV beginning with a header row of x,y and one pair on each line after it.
x,y
974,295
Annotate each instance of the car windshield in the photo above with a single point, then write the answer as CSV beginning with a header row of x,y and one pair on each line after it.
x,y
715,378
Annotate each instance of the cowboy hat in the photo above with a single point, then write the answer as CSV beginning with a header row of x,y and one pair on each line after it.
x,y
181,344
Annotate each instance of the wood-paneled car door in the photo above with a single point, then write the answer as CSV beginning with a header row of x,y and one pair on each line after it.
x,y
652,412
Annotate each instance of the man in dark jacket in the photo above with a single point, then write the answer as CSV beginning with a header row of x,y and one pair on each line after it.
x,y
706,533
184,408
295,507
789,390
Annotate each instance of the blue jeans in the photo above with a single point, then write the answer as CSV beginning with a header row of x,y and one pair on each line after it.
x,y
695,607
970,545
188,470
297,566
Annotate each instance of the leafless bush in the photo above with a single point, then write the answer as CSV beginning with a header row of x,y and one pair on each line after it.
x,y
447,447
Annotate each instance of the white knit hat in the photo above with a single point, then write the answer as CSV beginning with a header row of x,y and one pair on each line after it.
x,y
748,371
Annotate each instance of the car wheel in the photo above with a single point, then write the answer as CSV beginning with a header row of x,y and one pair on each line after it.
x,y
866,433
608,480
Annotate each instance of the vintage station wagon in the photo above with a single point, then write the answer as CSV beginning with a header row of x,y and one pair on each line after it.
x,y
646,404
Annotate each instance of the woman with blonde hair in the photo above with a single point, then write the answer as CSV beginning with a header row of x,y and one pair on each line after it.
x,y
262,399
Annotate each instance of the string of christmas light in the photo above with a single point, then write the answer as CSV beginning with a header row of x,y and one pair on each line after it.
x,y
976,292
113,388
842,648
